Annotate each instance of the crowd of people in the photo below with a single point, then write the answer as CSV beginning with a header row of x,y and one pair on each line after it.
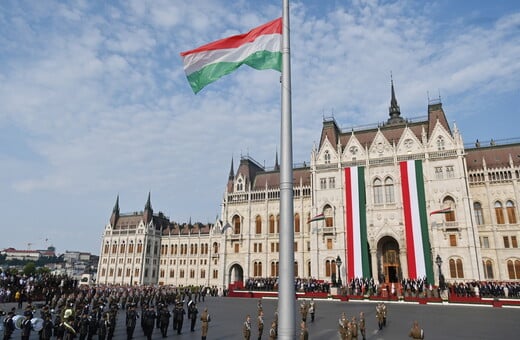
x,y
306,285
488,289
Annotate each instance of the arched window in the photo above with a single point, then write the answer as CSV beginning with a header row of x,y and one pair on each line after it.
x,y
240,185
258,225
326,157
330,268
296,223
277,224
295,268
448,202
257,269
329,216
499,213
456,269
378,191
389,190
511,212
271,224
513,268
479,214
236,224
440,143
274,268
488,269
215,248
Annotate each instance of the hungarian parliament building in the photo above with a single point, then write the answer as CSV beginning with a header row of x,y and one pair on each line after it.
x,y
405,198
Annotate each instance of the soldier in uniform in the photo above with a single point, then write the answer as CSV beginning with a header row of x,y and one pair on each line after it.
x,y
416,332
93,325
205,319
26,325
131,320
83,326
362,326
259,306
304,332
304,310
272,331
48,326
312,309
148,322
103,327
164,316
178,317
342,329
67,323
8,325
192,315
383,307
348,327
246,328
260,324
379,316
354,328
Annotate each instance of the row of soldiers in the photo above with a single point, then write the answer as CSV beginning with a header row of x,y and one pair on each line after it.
x,y
351,328
87,321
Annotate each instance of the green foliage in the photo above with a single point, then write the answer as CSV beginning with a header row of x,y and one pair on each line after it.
x,y
29,269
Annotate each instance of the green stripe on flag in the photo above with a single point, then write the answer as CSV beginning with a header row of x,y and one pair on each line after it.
x,y
261,60
428,262
363,223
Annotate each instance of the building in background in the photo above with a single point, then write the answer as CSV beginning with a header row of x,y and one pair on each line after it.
x,y
400,199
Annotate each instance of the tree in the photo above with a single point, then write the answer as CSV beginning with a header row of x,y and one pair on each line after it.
x,y
29,269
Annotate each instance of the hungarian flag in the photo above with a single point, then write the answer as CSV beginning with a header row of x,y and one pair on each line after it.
x,y
415,220
260,48
441,211
356,224
319,217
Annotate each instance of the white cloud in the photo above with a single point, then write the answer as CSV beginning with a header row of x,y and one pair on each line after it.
x,y
98,93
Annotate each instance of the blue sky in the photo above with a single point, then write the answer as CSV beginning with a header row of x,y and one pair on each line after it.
x,y
94,102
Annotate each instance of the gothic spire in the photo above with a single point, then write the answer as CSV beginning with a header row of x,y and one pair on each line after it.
x,y
116,206
231,171
394,110
276,165
148,205
115,213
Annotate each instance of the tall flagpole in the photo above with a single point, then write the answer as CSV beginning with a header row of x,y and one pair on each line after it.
x,y
286,290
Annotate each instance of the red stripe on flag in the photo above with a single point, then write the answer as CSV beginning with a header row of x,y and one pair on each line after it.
x,y
272,27
350,225
410,248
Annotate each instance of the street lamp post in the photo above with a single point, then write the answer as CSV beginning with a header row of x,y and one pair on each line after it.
x,y
338,263
438,262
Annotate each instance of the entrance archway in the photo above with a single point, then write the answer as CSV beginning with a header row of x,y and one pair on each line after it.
x,y
236,275
389,265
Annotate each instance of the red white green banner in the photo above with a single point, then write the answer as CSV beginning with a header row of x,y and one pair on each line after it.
x,y
357,260
415,220
260,48
319,217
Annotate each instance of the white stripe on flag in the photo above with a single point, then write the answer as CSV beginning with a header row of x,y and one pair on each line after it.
x,y
416,220
356,230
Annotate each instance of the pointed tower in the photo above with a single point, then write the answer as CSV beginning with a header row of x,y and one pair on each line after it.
x,y
231,171
231,178
115,213
276,165
394,111
148,211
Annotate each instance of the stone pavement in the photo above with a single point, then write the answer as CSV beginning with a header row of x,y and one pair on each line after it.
x,y
439,321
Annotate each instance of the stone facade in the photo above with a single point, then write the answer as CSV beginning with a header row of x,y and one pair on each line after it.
x,y
475,236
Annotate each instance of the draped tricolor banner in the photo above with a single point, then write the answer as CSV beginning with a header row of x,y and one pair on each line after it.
x,y
415,220
356,224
